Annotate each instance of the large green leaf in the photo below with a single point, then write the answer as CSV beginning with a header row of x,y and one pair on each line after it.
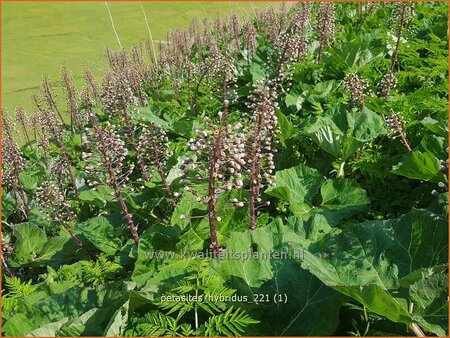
x,y
294,102
101,233
239,247
312,231
366,125
436,145
258,263
120,319
175,171
8,205
327,135
97,197
116,327
438,127
19,325
33,249
231,218
419,166
48,330
429,296
196,238
147,115
183,210
30,241
29,180
311,308
347,57
257,71
366,261
58,250
78,326
196,223
340,199
341,133
298,185
248,254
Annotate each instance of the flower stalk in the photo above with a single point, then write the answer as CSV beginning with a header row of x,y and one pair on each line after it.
x,y
71,95
49,96
53,202
113,153
12,164
263,126
396,130
325,26
402,15
22,119
52,125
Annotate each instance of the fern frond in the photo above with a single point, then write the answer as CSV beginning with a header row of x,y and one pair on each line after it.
x,y
16,293
230,323
180,307
156,323
186,330
17,289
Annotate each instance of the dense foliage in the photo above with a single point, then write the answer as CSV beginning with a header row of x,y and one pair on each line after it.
x,y
284,174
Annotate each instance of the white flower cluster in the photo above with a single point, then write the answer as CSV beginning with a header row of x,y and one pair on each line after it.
x,y
106,148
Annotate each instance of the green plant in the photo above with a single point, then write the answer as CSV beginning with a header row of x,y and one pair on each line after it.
x,y
203,293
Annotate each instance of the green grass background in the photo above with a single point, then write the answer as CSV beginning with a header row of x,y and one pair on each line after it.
x,y
39,37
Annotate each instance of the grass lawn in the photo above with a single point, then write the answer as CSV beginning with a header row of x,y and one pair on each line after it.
x,y
39,37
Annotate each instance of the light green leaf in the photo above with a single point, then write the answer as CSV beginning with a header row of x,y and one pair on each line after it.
x,y
64,302
341,198
19,325
97,197
285,125
429,297
184,208
419,166
56,251
297,184
30,241
438,127
8,205
426,291
314,230
366,261
327,135
341,133
120,318
294,102
311,309
175,171
78,326
116,327
435,145
48,330
101,233
28,181
147,115
258,72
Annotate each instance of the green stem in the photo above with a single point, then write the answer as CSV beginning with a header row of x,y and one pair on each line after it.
x,y
341,170
196,305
